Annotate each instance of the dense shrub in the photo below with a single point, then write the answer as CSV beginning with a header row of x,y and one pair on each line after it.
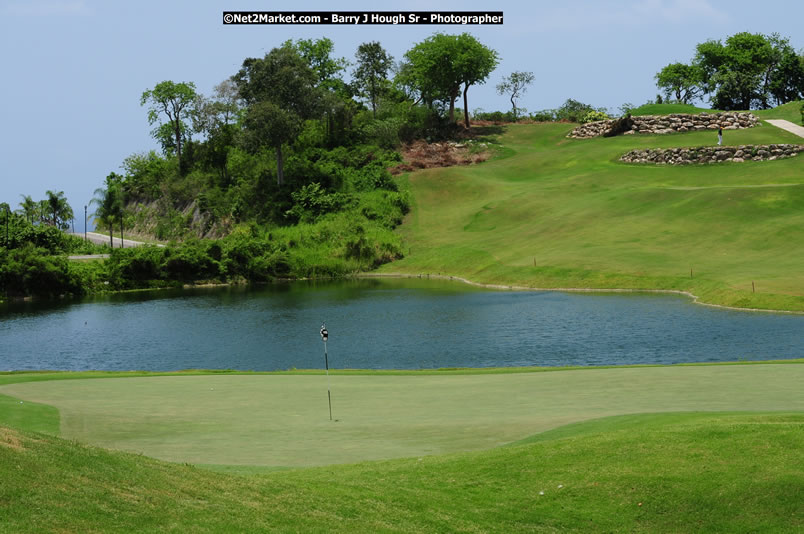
x,y
593,116
30,270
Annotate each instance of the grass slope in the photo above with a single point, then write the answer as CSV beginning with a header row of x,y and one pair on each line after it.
x,y
282,420
557,212
653,473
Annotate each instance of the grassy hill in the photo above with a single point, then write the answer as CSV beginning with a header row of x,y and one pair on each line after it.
x,y
667,109
555,212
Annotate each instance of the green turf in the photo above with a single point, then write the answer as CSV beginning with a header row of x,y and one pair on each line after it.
x,y
282,420
655,473
667,109
790,111
558,212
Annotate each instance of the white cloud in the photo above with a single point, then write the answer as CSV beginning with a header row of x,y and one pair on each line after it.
x,y
48,9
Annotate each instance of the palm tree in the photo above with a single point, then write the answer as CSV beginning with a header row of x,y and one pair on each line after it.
x,y
42,210
105,202
61,210
29,207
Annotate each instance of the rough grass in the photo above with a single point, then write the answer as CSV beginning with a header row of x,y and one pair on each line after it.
x,y
555,212
652,473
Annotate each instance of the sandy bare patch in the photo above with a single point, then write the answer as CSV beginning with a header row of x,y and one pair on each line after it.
x,y
10,439
423,155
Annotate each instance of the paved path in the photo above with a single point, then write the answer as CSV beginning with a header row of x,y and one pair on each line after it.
x,y
103,239
787,125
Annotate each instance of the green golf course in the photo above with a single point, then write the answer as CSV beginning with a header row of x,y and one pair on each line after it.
x,y
701,447
283,420
648,449
553,212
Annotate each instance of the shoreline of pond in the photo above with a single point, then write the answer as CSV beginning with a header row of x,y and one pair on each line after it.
x,y
503,287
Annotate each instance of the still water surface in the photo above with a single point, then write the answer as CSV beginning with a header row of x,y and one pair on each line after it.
x,y
382,324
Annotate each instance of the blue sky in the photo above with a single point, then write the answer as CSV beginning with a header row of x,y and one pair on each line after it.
x,y
73,70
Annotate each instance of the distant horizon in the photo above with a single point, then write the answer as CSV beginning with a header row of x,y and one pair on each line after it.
x,y
79,67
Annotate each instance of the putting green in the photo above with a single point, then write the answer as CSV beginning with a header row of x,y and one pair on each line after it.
x,y
281,420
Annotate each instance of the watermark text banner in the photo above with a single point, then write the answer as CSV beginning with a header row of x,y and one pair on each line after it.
x,y
363,17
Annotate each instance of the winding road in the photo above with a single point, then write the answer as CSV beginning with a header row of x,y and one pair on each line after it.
x,y
101,239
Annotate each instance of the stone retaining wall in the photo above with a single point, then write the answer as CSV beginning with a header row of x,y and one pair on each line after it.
x,y
711,154
675,122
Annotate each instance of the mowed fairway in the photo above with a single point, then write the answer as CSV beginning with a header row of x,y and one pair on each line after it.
x,y
282,420
557,212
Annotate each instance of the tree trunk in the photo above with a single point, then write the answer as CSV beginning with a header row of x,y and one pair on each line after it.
x,y
465,106
280,175
177,129
111,231
513,104
121,233
373,99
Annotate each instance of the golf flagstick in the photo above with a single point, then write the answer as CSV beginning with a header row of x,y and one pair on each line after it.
x,y
324,336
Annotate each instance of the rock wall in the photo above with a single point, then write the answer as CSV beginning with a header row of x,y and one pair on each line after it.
x,y
711,154
675,122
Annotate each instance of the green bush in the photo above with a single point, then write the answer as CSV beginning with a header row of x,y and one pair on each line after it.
x,y
31,271
593,116
545,115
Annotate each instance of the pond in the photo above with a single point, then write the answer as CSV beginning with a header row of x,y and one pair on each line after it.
x,y
382,324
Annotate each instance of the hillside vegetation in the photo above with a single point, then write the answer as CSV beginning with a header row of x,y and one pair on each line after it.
x,y
554,212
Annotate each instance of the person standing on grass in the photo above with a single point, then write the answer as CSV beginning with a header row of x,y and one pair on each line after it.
x,y
719,135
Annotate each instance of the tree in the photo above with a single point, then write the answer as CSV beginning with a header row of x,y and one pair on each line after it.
x,y
43,210
337,106
61,210
373,64
684,82
285,86
441,64
476,62
318,54
29,207
784,80
216,118
108,202
516,84
174,101
736,72
268,124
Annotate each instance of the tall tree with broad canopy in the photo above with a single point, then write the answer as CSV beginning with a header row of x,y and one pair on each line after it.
x,y
373,64
318,54
442,64
280,92
516,84
680,81
336,104
174,100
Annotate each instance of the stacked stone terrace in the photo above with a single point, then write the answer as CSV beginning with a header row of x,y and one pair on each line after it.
x,y
675,122
712,154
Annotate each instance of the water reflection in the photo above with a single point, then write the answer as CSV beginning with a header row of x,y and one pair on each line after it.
x,y
381,324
